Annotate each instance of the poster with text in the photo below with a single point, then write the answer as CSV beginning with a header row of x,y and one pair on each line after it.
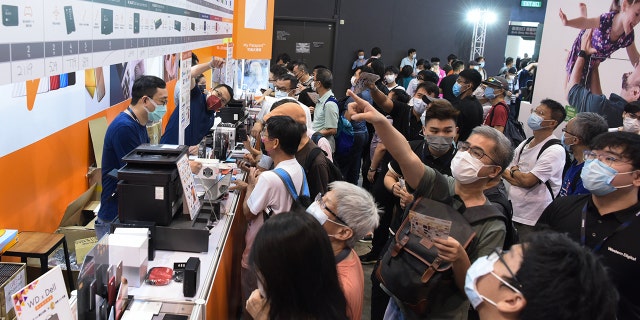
x,y
45,298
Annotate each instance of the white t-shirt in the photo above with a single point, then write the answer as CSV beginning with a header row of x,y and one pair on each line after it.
x,y
528,204
270,192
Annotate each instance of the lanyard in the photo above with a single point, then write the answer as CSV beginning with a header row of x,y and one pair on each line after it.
x,y
583,232
133,115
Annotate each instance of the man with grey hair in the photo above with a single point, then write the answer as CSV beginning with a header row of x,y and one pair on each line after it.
x,y
576,138
479,160
352,213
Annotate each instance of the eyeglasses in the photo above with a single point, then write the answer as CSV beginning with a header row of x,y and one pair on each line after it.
x,y
219,95
475,152
538,112
499,252
460,81
607,158
573,134
287,90
264,135
323,206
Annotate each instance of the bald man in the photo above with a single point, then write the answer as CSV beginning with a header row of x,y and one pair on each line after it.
x,y
318,171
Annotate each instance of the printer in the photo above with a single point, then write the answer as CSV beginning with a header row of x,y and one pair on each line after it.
x,y
149,186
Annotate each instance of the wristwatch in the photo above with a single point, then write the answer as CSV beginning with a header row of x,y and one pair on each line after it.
x,y
372,169
514,170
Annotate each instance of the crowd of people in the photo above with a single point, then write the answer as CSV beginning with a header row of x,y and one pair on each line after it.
x,y
423,130
331,168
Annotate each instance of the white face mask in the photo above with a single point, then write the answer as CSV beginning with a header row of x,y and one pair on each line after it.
x,y
390,78
353,81
315,210
465,168
361,57
630,125
419,106
482,266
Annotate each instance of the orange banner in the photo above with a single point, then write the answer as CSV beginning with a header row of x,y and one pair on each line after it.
x,y
253,29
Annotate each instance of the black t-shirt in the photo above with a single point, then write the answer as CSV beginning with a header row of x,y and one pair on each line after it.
x,y
405,122
620,253
446,84
318,177
421,149
470,116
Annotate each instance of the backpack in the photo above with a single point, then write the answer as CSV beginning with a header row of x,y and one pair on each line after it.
x,y
549,143
501,202
334,172
344,134
513,128
410,268
300,200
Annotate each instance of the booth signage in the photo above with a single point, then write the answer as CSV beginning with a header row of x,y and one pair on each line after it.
x,y
522,31
531,4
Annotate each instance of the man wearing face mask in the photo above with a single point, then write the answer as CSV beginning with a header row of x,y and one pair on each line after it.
x,y
360,61
630,118
347,213
409,60
390,76
576,138
483,72
266,194
478,161
125,133
607,220
470,108
447,83
406,117
495,91
202,109
548,276
535,174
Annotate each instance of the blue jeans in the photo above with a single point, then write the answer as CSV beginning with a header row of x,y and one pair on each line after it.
x,y
393,311
104,227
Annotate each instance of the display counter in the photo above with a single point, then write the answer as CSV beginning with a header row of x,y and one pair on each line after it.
x,y
218,291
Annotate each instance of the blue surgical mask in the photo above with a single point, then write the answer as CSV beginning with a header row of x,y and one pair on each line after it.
x,y
482,64
361,57
158,113
481,267
564,144
535,122
456,89
281,94
272,86
489,93
597,177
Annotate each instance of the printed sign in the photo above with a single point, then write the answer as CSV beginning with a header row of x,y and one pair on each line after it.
x,y
44,298
188,186
428,228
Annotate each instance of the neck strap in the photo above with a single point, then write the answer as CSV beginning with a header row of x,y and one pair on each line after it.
x,y
583,229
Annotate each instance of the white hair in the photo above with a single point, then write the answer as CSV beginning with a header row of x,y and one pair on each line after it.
x,y
357,208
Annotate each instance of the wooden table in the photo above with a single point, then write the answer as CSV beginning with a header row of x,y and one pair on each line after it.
x,y
40,245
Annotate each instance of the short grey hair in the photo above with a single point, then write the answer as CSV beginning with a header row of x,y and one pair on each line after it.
x,y
502,153
588,125
357,208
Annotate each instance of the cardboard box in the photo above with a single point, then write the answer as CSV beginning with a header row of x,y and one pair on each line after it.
x,y
13,277
78,223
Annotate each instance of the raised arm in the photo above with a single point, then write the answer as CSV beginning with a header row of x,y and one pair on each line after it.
x,y
579,22
396,144
380,98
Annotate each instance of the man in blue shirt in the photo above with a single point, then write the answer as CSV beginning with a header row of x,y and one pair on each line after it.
x,y
125,133
202,108
576,138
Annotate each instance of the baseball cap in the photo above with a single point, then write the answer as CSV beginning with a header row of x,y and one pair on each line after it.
x,y
497,82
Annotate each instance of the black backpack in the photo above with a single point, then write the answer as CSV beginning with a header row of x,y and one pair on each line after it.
x,y
549,143
501,202
512,129
334,171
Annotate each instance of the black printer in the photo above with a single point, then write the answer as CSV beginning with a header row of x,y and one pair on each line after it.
x,y
149,188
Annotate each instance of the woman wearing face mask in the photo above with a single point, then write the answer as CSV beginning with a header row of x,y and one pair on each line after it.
x,y
296,272
630,118
549,276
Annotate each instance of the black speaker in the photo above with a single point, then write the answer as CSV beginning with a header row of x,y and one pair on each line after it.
x,y
191,277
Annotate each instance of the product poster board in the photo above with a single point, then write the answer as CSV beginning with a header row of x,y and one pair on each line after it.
x,y
43,299
185,94
253,29
556,44
189,187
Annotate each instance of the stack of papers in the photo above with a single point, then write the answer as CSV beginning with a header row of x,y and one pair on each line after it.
x,y
8,237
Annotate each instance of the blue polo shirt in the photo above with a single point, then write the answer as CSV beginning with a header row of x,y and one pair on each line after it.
x,y
201,121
